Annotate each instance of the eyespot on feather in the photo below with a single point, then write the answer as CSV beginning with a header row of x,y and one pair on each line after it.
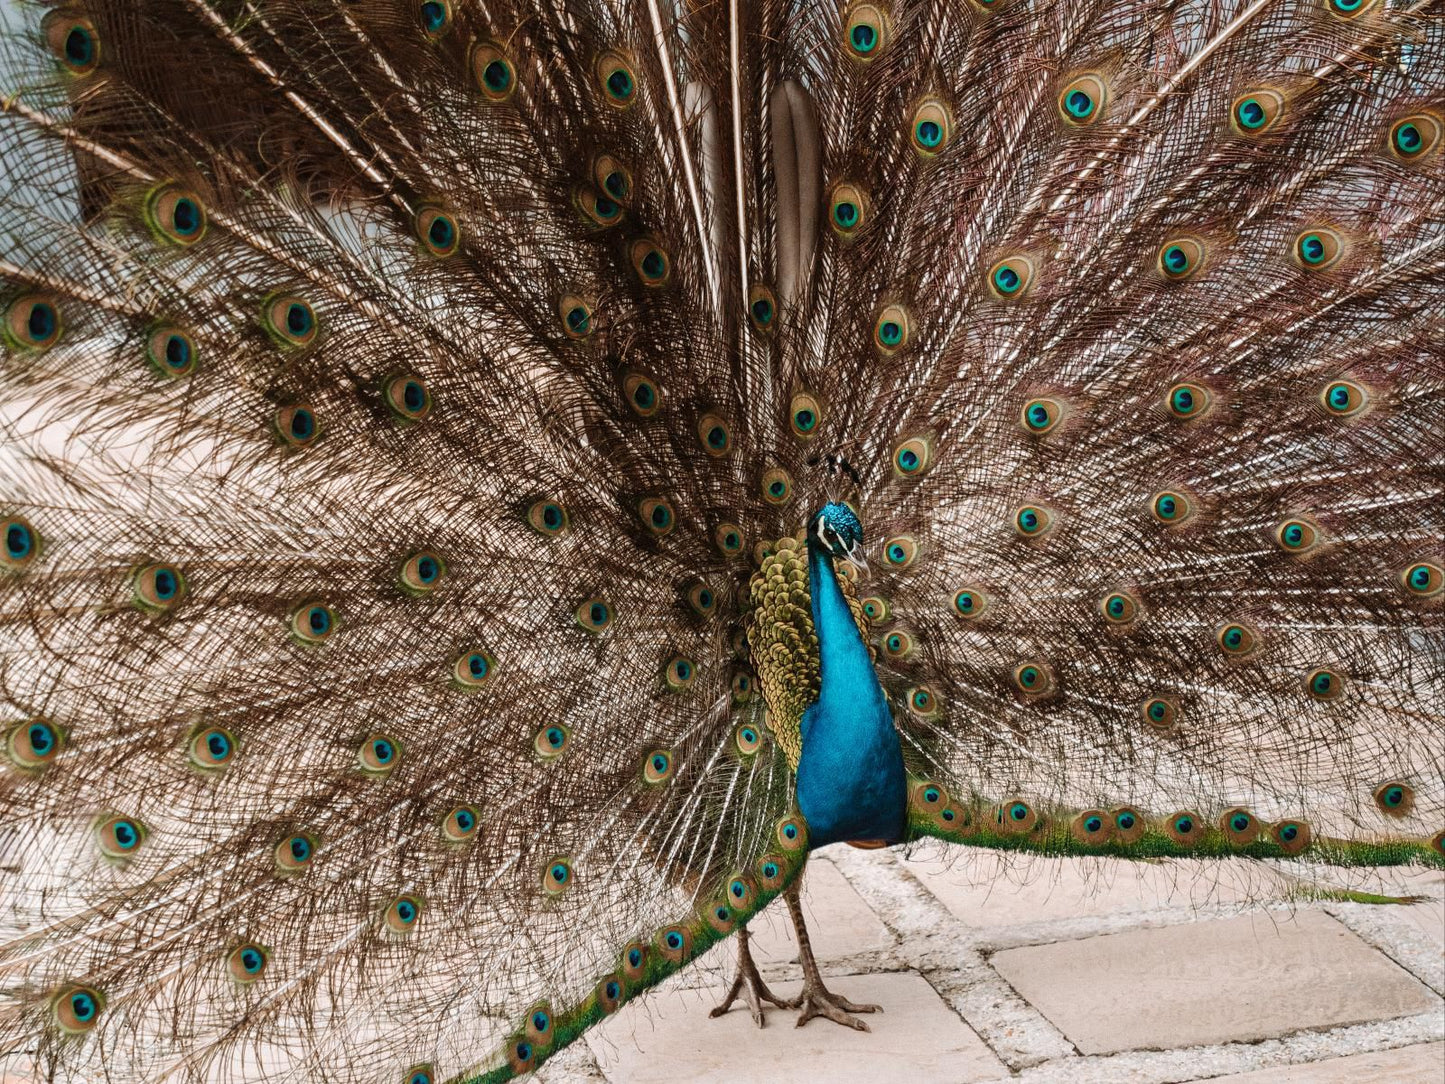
x,y
1239,825
747,739
1343,398
728,538
1039,416
1128,824
438,232
1016,816
641,394
1255,112
762,308
877,609
924,703
33,323
651,263
1187,401
34,743
891,329
294,853
1180,258
657,515
378,754
1119,607
436,19
931,127
1347,9
673,944
548,518
296,425
212,748
657,767
577,315
1236,639
551,741
1293,836
1083,99
771,871
1185,828
493,71
1395,798
421,573
119,837
898,645
594,614
1297,536
866,30
1171,507
312,623
1318,249
247,963
171,352
970,603
72,40
1010,278
792,833
912,457
407,398
1160,713
1092,827
20,545
1032,521
461,823
776,486
290,321
848,209
1325,684
77,1009
1033,679
613,177
617,79
402,914
805,414
557,877
715,435
1413,138
899,552
158,588
175,215
1423,579
596,208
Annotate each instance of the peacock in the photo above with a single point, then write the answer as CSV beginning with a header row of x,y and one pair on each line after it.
x,y
490,486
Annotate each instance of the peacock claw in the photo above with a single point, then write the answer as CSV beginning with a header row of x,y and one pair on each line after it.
x,y
750,984
817,1000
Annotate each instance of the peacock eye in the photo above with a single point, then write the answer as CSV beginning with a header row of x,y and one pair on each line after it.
x,y
421,573
715,435
436,17
119,837
1171,507
1016,816
923,702
1187,400
547,518
1343,398
422,1074
805,414
912,457
1041,415
866,31
378,754
406,397
21,544
931,127
776,485
402,914
1347,9
175,215
461,823
899,552
1318,249
34,744
657,768
1180,258
1239,826
792,833
898,644
641,394
438,232
1033,679
1395,798
73,41
1119,608
847,208
650,262
1009,279
1236,639
77,1009
1032,520
577,315
877,609
613,177
891,329
296,425
557,878
171,352
770,873
702,600
742,687
679,673
657,515
1413,137
728,538
747,739
551,741
290,321
594,615
1296,536
970,603
32,323
1082,101
1160,712
493,70
762,307
295,853
1324,684
1256,112
158,588
1423,579
212,748
596,208
673,943
312,622
617,79
247,963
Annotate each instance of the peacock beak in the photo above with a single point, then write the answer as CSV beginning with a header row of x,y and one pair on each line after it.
x,y
855,555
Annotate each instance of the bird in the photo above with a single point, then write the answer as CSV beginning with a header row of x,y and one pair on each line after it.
x,y
489,487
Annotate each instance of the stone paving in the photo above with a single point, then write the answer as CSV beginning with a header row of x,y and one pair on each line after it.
x,y
1061,971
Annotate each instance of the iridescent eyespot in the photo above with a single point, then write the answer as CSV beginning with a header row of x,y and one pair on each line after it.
x,y
402,914
1423,579
898,644
21,544
1184,828
1395,799
650,262
290,321
1186,400
770,871
171,352
720,916
421,573
728,538
73,41
539,1024
312,622
1180,258
158,588
742,687
877,609
613,177
673,943
493,70
1119,608
891,329
912,457
1413,137
716,437
1324,684
1129,824
1033,679
1256,112
577,316
436,18
1032,520
702,599
634,961
847,208
1347,9
617,79
1292,836
776,486
175,215
1092,827
1319,248
119,837
931,127
657,768
608,993
923,702
899,552
866,31
1016,816
521,1057
378,754
247,963
1041,415
1082,101
596,208
461,823
1296,536
747,739
929,797
557,877
296,425
32,323
1159,713
437,232
551,741
212,748
1171,507
762,307
1010,278
1343,398
594,615
641,394
295,853
657,515
77,1009
804,415
407,398
792,833
679,673
34,744
547,518
420,1074
1239,826
1236,639
970,603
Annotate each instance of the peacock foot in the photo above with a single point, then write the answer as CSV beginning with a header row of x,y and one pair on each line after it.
x,y
817,1000
751,986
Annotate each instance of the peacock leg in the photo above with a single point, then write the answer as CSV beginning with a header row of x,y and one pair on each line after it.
x,y
816,999
750,984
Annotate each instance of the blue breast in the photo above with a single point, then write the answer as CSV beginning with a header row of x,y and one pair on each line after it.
x,y
851,782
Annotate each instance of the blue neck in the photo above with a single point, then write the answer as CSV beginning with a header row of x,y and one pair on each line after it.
x,y
850,776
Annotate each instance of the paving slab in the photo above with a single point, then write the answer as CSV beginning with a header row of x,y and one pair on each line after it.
x,y
1423,1064
1228,980
839,922
918,1039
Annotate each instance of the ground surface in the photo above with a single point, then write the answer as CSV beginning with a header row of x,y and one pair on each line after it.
x,y
1060,971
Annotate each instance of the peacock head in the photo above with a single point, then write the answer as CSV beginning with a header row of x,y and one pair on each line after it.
x,y
837,529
